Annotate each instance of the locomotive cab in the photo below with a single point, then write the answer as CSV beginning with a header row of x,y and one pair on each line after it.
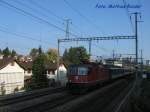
x,y
78,76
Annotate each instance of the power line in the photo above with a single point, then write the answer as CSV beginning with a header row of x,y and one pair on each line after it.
x,y
35,17
46,10
80,14
128,15
22,36
67,31
34,10
4,29
31,16
77,29
27,37
50,12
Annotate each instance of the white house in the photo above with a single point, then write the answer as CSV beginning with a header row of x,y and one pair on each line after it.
x,y
51,71
11,76
62,75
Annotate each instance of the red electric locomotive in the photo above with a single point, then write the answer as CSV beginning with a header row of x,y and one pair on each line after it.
x,y
84,76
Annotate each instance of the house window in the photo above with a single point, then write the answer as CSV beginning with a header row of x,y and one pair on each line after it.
x,y
51,72
29,71
48,71
12,63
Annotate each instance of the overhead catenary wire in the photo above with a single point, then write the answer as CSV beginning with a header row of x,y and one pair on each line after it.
x,y
31,15
83,16
48,11
45,9
77,29
26,37
33,9
21,36
18,35
35,17
128,15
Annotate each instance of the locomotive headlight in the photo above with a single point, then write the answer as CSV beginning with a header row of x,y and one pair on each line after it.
x,y
69,80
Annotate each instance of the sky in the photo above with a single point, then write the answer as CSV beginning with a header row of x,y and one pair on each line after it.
x,y
27,24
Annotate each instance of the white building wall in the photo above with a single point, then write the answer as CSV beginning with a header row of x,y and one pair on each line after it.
x,y
62,75
27,74
11,77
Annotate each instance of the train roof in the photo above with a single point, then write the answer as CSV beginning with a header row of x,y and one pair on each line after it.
x,y
91,64
95,64
77,65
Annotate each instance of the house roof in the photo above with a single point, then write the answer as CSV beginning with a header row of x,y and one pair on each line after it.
x,y
5,61
26,65
48,65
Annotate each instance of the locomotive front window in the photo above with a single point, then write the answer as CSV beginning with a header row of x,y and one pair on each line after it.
x,y
82,71
73,71
78,71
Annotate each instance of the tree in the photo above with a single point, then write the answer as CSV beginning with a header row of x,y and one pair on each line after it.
x,y
39,78
52,54
13,53
0,51
75,55
148,68
34,53
6,52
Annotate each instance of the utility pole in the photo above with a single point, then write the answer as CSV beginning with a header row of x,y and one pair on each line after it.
x,y
136,36
136,42
141,61
58,43
68,21
90,45
113,56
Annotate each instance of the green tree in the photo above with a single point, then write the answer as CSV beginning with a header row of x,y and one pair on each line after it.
x,y
39,79
34,53
13,53
0,51
148,68
75,55
6,52
52,54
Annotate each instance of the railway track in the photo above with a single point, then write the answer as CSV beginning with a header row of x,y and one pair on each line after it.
x,y
50,104
108,101
61,101
8,104
95,101
29,95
